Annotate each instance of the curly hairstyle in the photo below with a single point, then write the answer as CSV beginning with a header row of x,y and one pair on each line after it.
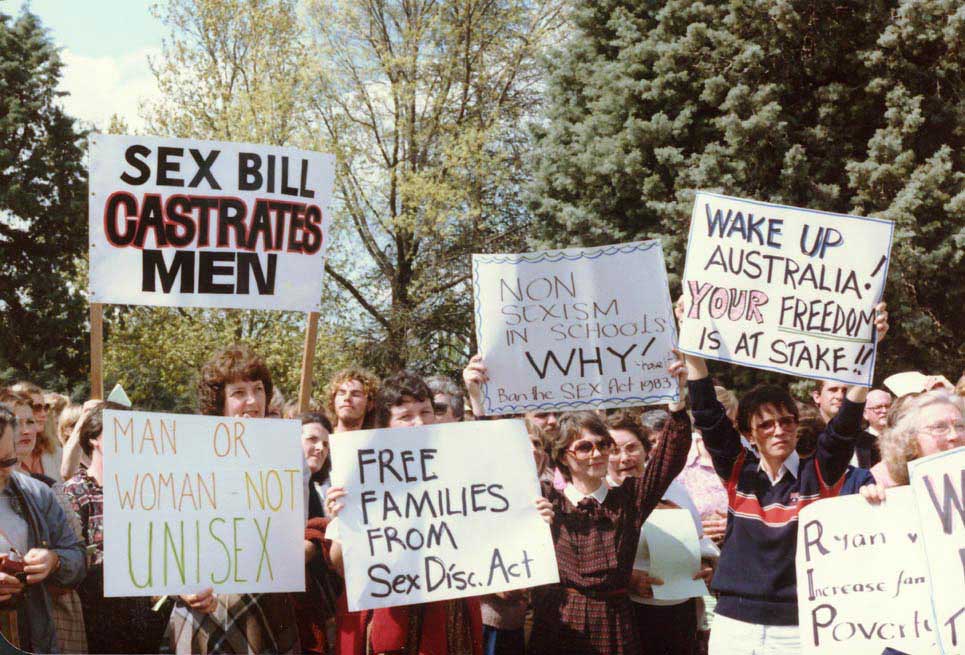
x,y
368,380
571,426
625,421
232,364
395,390
899,440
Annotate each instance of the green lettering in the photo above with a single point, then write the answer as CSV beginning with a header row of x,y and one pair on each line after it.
x,y
224,547
263,538
150,552
237,548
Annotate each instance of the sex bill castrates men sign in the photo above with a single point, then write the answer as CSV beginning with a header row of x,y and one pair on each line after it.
x,y
574,329
187,223
192,502
438,512
784,289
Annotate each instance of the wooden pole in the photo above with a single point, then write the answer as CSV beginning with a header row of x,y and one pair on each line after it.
x,y
96,351
308,359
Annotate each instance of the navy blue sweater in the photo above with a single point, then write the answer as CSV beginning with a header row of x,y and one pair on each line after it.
x,y
755,577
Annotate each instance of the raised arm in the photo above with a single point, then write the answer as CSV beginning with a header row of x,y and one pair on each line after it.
x,y
836,443
721,438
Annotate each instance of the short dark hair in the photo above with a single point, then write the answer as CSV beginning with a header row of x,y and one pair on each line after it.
x,y
316,417
394,391
571,426
764,394
7,420
624,421
236,362
93,426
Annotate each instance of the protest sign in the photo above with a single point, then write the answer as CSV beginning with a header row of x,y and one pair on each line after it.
x,y
575,329
673,553
939,486
201,501
862,582
784,289
186,223
438,512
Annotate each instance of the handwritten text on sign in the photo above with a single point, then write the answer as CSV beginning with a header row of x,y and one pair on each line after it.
x,y
198,501
187,223
440,512
939,485
784,289
861,577
574,329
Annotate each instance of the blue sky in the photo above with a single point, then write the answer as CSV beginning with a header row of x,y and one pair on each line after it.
x,y
105,45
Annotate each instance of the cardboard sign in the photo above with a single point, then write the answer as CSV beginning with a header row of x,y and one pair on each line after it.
x,y
185,223
784,289
939,487
201,501
438,512
575,329
862,580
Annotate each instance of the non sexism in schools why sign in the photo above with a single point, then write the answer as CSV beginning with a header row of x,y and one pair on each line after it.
x,y
199,501
862,579
439,512
187,223
784,289
939,485
574,329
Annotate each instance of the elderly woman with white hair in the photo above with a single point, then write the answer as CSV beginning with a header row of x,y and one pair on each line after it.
x,y
917,426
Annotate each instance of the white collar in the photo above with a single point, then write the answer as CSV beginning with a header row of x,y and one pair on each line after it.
x,y
790,465
574,495
871,430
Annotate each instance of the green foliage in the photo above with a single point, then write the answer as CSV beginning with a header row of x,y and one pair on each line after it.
x,y
42,214
846,107
424,105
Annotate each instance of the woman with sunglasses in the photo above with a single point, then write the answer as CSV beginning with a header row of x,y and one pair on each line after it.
x,y
755,580
595,533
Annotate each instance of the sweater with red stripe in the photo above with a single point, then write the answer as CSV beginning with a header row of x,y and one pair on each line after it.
x,y
755,578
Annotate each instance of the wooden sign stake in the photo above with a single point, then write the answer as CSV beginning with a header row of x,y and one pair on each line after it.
x,y
96,351
308,359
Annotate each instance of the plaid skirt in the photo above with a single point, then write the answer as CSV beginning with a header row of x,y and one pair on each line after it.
x,y
242,624
568,621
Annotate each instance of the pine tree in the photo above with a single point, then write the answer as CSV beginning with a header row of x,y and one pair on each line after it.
x,y
846,107
43,225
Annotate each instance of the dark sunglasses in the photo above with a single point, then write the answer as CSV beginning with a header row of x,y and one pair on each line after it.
x,y
7,463
786,423
585,448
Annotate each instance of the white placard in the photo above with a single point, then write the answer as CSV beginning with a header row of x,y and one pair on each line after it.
x,y
862,580
784,289
201,501
187,223
575,329
939,486
438,512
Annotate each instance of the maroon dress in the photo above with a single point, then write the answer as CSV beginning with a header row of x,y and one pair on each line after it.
x,y
589,612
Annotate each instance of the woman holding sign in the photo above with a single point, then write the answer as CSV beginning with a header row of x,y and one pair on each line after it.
x,y
234,383
595,532
756,580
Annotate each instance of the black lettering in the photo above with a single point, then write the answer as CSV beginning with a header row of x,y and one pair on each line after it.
x,y
144,171
166,166
114,236
204,168
212,264
249,171
153,267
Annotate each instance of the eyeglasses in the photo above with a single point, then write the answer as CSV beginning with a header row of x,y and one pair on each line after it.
x,y
37,407
768,426
942,429
584,449
10,461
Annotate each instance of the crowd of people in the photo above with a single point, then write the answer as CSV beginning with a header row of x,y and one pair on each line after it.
x,y
742,466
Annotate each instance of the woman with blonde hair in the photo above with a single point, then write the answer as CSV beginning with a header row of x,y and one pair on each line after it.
x,y
46,454
918,426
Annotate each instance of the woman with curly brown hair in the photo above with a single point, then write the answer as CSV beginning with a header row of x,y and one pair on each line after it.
x,y
235,382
